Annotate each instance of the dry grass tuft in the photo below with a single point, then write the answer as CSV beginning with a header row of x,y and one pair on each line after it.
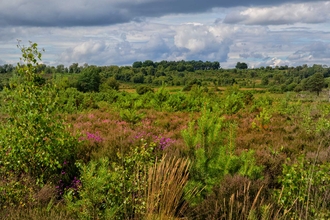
x,y
45,194
166,182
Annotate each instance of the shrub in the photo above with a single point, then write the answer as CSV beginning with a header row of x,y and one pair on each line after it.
x,y
143,89
233,101
211,148
110,84
160,97
34,140
113,190
305,190
70,100
177,102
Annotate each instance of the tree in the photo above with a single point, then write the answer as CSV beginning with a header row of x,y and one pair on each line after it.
x,y
60,68
181,67
137,64
34,139
138,78
241,66
110,83
264,80
148,63
314,83
215,65
74,68
89,80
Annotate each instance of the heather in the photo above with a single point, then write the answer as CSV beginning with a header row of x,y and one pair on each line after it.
x,y
196,153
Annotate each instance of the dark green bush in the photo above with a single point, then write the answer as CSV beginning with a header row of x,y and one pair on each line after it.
x,y
143,89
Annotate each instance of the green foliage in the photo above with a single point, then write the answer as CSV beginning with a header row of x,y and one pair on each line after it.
x,y
289,106
191,83
315,83
130,115
262,119
160,97
316,124
92,202
137,64
304,186
62,82
240,65
112,190
264,81
110,96
143,89
34,140
16,191
233,101
177,102
110,84
70,100
138,78
89,80
265,101
211,148
196,98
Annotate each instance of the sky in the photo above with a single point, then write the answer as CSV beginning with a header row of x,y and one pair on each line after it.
x,y
120,32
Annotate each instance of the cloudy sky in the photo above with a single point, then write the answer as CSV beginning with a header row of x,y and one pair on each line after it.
x,y
119,32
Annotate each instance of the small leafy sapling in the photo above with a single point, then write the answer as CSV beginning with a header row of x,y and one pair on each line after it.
x,y
34,139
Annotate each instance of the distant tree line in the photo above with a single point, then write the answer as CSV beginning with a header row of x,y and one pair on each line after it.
x,y
88,78
179,65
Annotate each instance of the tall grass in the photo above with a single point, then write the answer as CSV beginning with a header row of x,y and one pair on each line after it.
x,y
166,182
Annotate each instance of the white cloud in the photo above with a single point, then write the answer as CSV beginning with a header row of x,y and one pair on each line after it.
x,y
202,41
283,14
83,52
313,53
184,36
255,55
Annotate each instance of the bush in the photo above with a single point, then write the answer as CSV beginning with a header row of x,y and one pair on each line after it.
x,y
112,190
305,189
34,140
143,89
211,148
233,101
110,84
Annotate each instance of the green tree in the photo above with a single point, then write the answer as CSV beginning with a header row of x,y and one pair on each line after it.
x,y
211,144
74,68
110,83
148,63
240,65
60,68
89,80
33,138
264,81
314,83
215,65
137,64
138,78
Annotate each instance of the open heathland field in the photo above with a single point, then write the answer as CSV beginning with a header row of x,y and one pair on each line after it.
x,y
155,142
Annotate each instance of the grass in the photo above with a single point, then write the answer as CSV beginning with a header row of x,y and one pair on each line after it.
x,y
166,183
36,213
